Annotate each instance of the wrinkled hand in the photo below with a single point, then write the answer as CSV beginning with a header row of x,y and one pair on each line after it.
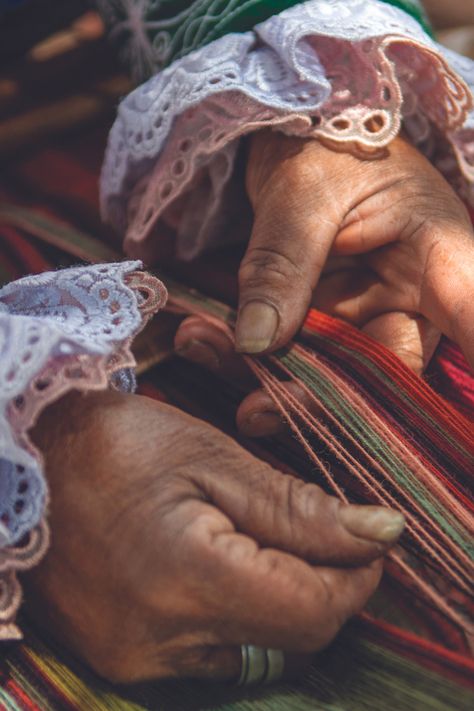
x,y
410,232
171,545
384,244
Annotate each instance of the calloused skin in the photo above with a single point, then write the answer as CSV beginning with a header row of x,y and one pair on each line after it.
x,y
172,546
384,243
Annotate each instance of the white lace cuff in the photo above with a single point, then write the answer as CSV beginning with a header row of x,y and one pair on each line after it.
x,y
70,329
348,70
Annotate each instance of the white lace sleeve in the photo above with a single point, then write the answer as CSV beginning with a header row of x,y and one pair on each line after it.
x,y
348,70
63,330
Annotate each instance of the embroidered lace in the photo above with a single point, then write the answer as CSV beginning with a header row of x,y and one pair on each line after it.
x,y
58,331
349,71
149,35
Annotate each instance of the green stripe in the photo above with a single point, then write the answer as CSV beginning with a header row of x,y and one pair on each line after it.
x,y
410,402
416,10
324,389
176,28
354,674
9,703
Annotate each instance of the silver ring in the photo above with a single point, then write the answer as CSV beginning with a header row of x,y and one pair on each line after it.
x,y
275,665
260,665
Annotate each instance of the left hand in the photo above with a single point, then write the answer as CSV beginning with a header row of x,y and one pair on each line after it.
x,y
172,545
384,244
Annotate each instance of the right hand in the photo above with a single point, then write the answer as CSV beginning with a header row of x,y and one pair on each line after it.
x,y
172,546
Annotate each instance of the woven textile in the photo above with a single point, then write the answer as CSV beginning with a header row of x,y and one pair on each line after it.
x,y
372,660
363,669
374,664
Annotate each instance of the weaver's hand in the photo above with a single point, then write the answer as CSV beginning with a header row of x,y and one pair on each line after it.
x,y
382,243
171,545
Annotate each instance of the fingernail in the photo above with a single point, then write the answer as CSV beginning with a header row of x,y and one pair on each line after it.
x,y
256,327
200,352
261,424
373,523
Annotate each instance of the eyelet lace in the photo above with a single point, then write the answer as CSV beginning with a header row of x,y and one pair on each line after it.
x,y
350,72
70,329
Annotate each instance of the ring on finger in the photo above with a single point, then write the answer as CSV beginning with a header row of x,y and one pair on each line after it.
x,y
260,665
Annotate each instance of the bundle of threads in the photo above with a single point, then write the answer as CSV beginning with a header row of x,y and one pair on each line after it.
x,y
370,431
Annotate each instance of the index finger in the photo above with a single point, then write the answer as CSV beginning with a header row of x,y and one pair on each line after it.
x,y
270,598
447,291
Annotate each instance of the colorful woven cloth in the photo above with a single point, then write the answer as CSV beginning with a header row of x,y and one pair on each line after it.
x,y
373,664
372,661
366,668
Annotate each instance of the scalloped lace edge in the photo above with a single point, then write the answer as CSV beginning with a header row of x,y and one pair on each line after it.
x,y
80,372
361,127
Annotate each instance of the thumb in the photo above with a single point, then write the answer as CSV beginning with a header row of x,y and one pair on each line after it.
x,y
296,219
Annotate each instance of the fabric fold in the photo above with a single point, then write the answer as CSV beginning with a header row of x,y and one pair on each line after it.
x,y
350,72
64,330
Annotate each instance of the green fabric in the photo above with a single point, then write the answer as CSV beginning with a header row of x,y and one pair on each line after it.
x,y
416,10
170,29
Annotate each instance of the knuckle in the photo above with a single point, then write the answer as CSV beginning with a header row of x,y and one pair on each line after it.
x,y
208,554
112,667
316,500
270,266
321,621
271,563
196,542
290,176
281,164
328,598
229,552
291,508
433,210
298,505
275,505
110,671
197,661
305,501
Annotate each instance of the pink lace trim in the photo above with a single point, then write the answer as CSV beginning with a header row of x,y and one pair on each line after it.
x,y
395,77
80,372
376,83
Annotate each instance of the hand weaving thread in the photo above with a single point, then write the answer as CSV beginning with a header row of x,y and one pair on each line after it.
x,y
439,515
392,440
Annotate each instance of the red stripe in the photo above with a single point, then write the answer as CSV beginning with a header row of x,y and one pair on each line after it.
x,y
20,695
31,259
415,387
453,665
45,680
